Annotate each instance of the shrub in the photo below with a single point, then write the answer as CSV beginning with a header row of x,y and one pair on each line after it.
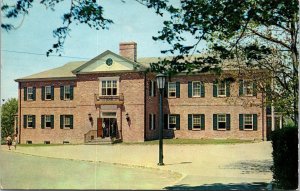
x,y
285,157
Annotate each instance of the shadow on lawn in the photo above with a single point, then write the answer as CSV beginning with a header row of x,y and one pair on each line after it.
x,y
221,186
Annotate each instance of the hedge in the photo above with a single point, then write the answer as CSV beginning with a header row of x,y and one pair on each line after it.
x,y
285,157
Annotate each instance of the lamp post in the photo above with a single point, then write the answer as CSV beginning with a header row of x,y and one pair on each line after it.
x,y
161,80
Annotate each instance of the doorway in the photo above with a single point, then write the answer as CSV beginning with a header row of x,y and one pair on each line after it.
x,y
106,127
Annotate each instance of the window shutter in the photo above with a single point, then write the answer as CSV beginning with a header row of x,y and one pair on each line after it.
x,y
227,88
52,121
149,121
227,121
178,122
215,89
62,91
71,121
177,89
71,92
154,119
255,122
202,117
33,121
25,121
241,87
241,122
202,90
190,121
215,121
150,88
61,121
154,88
52,92
43,93
25,94
166,89
42,121
190,89
165,122
33,93
254,88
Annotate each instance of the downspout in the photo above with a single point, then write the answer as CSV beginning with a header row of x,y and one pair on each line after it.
x,y
263,116
19,113
145,104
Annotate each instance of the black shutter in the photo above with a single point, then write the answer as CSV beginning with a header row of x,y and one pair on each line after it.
x,y
255,122
61,121
62,92
71,121
202,118
190,89
154,88
154,124
227,121
43,93
150,121
177,89
215,122
241,122
25,93
33,93
227,88
254,88
202,89
52,92
190,121
178,122
42,121
215,89
166,121
33,121
71,92
241,87
52,121
25,121
150,88
166,89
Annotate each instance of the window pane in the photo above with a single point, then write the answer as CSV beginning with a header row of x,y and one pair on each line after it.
x,y
172,89
222,125
114,91
104,91
114,83
108,84
221,88
196,88
103,84
196,121
248,118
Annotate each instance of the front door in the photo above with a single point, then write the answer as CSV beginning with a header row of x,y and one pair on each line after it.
x,y
110,127
99,127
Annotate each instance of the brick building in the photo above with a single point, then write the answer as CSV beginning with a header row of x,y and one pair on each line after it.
x,y
72,103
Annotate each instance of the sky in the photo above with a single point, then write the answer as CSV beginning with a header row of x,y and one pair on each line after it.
x,y
23,51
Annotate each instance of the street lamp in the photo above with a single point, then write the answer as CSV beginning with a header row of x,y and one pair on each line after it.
x,y
161,80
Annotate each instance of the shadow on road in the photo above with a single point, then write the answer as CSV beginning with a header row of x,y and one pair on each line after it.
x,y
178,163
221,186
248,167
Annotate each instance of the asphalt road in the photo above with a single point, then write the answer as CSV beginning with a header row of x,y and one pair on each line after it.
x,y
19,171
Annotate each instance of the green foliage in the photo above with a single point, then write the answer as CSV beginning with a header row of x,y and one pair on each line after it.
x,y
285,157
8,110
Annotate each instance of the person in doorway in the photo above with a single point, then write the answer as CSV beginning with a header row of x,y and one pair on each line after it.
x,y
9,141
15,141
104,130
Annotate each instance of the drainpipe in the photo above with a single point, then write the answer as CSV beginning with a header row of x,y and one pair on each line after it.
x,y
272,107
145,104
19,113
263,116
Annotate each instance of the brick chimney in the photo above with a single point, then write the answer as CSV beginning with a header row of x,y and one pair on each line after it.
x,y
128,50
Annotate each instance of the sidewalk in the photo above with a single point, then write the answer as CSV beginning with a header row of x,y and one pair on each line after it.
x,y
198,164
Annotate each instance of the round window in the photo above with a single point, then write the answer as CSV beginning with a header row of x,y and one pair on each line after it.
x,y
109,62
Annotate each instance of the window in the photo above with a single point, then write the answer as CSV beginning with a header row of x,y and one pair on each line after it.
x,y
151,121
248,121
172,89
30,93
48,121
172,122
30,121
222,89
221,122
196,89
66,121
152,88
67,92
109,87
48,93
248,88
108,115
196,122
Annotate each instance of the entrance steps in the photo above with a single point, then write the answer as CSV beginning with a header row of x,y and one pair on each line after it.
x,y
100,141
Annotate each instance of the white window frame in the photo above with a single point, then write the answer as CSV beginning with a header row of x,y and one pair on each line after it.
x,y
193,117
29,93
193,94
220,84
48,87
152,88
173,90
112,114
152,121
173,116
65,92
246,85
223,121
29,120
244,121
67,126
48,117
101,79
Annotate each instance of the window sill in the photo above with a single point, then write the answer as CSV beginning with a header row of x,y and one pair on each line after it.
x,y
30,100
248,129
221,129
197,129
221,96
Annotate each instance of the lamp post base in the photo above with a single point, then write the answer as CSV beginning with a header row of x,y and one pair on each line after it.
x,y
160,164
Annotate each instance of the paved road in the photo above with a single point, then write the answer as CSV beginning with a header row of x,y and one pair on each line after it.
x,y
19,171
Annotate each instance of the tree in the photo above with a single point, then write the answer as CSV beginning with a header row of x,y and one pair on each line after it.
x,y
8,111
251,32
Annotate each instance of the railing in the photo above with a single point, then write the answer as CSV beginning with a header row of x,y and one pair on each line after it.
x,y
89,134
109,100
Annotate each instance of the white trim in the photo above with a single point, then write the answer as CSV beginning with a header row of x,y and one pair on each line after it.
x,y
172,91
28,121
117,79
193,122
193,88
31,87
46,92
105,116
65,92
173,115
225,89
244,120
152,82
152,122
221,129
45,121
